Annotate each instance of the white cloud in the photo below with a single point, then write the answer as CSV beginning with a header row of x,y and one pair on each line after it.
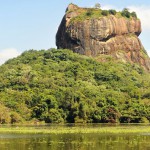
x,y
8,53
107,7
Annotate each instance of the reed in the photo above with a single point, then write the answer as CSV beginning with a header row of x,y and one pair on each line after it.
x,y
76,130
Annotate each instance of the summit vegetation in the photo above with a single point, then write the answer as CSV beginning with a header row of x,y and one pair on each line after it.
x,y
56,86
97,12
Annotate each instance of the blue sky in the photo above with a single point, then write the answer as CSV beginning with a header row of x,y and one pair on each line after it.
x,y
32,24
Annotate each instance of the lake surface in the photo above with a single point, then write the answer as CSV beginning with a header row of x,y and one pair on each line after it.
x,y
75,141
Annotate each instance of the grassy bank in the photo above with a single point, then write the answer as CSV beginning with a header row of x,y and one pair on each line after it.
x,y
76,130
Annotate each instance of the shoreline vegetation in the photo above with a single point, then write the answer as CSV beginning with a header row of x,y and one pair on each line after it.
x,y
75,129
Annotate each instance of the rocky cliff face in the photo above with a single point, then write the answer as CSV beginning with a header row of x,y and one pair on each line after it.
x,y
104,35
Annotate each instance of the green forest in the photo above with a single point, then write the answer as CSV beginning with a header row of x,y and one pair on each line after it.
x,y
59,86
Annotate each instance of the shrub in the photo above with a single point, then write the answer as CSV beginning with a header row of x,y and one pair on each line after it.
x,y
133,14
15,118
53,116
112,11
4,114
144,120
125,12
105,12
89,12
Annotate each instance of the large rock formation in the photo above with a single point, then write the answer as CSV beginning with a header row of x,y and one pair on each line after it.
x,y
110,35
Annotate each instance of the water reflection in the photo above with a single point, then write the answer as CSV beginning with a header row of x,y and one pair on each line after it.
x,y
74,141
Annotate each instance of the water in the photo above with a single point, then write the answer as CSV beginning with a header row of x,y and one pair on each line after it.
x,y
97,141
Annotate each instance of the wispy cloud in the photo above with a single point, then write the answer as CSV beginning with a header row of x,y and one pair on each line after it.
x,y
8,53
106,7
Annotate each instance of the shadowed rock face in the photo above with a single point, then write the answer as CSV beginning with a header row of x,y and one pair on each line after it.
x,y
109,35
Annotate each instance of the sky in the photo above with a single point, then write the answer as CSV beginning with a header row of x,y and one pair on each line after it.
x,y
32,24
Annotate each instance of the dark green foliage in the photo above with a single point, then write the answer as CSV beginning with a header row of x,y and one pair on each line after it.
x,y
112,11
89,12
105,12
133,14
60,86
125,12
53,116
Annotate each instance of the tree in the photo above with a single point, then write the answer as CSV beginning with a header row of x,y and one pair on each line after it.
x,y
125,12
133,14
4,114
97,6
53,116
89,12
112,11
104,12
15,117
126,9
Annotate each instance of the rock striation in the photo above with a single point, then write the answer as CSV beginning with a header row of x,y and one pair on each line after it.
x,y
112,35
